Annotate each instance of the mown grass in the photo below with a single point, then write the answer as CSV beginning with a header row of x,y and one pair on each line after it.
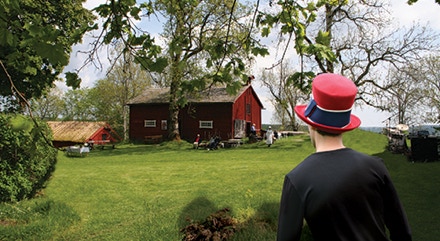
x,y
146,192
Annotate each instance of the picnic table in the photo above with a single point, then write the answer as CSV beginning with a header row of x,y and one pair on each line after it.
x,y
77,151
233,142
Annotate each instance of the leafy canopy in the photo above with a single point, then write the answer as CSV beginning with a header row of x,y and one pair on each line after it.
x,y
35,42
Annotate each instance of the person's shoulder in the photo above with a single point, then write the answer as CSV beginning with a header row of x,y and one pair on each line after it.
x,y
367,158
304,166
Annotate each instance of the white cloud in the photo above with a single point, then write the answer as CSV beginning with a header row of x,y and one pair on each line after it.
x,y
423,11
90,4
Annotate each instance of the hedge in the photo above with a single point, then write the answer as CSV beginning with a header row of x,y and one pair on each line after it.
x,y
27,158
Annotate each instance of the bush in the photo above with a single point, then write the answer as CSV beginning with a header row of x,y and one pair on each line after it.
x,y
27,160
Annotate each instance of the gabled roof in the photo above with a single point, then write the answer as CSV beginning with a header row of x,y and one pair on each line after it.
x,y
210,95
74,131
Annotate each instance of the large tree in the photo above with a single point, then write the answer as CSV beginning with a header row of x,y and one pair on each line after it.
x,y
35,45
110,95
405,99
206,43
78,105
425,74
429,71
353,38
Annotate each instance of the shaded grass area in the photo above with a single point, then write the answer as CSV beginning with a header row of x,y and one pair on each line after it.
x,y
147,192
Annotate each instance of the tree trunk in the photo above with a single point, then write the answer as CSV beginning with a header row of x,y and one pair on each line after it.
x,y
176,78
174,109
125,110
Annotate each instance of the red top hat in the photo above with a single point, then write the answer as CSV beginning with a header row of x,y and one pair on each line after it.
x,y
329,109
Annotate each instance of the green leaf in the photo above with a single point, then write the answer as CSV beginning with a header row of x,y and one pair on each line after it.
x,y
301,80
323,38
209,63
265,32
73,80
260,51
6,38
159,65
135,13
54,53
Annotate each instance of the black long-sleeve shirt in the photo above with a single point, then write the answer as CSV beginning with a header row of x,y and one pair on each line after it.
x,y
342,195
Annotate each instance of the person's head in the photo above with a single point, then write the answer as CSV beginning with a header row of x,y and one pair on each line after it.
x,y
329,110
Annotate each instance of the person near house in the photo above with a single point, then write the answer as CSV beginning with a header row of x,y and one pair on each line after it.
x,y
213,143
341,193
253,130
269,136
197,142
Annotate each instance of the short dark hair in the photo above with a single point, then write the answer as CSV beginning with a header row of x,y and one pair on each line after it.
x,y
325,133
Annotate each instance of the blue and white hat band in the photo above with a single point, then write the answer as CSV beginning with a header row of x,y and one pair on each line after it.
x,y
333,118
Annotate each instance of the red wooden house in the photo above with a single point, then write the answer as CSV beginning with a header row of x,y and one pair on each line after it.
x,y
69,133
208,113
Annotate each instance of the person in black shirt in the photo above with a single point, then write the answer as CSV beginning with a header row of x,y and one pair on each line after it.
x,y
342,194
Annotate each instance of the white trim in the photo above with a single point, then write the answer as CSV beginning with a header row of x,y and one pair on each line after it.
x,y
206,124
334,111
149,123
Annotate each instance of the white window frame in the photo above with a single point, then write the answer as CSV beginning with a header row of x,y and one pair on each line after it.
x,y
206,124
149,123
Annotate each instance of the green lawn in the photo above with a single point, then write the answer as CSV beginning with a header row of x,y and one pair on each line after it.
x,y
146,192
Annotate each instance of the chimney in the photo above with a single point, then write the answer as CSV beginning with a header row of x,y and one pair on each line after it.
x,y
250,78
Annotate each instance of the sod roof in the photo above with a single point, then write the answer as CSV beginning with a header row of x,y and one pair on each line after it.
x,y
74,131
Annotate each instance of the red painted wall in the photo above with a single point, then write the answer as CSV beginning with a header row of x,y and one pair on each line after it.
x,y
222,115
103,136
140,113
252,113
219,113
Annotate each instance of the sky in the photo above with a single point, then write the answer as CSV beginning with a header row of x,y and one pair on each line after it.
x,y
424,11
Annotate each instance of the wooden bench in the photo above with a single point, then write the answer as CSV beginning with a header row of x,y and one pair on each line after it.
x,y
101,144
153,139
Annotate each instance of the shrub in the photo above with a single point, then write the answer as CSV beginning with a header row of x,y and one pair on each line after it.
x,y
27,160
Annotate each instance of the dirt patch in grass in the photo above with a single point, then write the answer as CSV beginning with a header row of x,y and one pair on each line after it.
x,y
8,222
217,227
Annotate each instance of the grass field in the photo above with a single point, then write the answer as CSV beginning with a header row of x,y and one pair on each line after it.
x,y
146,192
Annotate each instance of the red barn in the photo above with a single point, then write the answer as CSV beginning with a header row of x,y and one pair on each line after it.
x,y
211,112
68,133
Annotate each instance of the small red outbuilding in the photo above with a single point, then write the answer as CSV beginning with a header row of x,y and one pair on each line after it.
x,y
68,133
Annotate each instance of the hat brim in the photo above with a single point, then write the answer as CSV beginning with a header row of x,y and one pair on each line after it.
x,y
355,122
